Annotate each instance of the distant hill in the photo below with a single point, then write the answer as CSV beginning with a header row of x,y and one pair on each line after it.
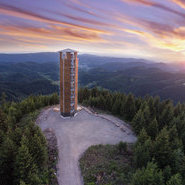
x,y
19,80
120,66
20,76
90,60
86,61
30,57
139,80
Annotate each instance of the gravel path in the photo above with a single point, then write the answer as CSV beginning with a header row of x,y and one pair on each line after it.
x,y
76,134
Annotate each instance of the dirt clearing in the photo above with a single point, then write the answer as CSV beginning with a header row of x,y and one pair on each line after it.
x,y
74,135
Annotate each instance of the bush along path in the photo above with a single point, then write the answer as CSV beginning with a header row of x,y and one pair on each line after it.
x,y
52,155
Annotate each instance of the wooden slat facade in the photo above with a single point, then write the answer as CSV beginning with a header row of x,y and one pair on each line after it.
x,y
65,84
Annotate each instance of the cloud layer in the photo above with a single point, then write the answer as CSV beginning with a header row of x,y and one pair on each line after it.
x,y
136,28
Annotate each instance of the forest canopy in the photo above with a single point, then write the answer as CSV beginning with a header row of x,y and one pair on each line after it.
x,y
159,153
23,148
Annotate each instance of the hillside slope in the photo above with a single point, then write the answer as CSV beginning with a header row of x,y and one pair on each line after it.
x,y
20,79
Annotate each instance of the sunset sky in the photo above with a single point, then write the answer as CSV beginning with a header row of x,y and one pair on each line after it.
x,y
150,29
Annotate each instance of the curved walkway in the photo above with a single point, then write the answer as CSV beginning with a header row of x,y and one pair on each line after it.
x,y
76,134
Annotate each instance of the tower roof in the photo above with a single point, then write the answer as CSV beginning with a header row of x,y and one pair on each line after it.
x,y
67,50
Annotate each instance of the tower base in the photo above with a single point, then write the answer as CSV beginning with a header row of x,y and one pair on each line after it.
x,y
67,114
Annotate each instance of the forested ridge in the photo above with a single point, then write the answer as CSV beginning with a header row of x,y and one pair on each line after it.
x,y
159,153
23,148
21,79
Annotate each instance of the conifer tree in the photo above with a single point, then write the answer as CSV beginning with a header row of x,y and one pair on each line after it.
x,y
142,153
16,135
94,92
143,136
174,139
116,107
152,128
138,121
2,137
80,95
3,98
35,179
178,109
142,149
12,114
152,108
162,150
147,116
22,182
175,180
7,159
149,175
138,103
38,151
86,94
108,102
166,115
130,108
157,106
24,164
167,173
3,124
122,108
102,102
54,99
176,161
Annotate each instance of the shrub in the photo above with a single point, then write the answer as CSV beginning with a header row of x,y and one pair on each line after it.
x,y
122,147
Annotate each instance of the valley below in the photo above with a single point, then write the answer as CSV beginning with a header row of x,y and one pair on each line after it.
x,y
20,78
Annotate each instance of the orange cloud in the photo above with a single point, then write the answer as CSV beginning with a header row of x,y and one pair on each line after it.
x,y
78,2
155,34
160,29
17,12
82,19
158,5
144,2
181,3
170,42
55,33
141,37
86,11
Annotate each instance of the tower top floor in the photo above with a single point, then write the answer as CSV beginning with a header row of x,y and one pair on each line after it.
x,y
68,54
68,51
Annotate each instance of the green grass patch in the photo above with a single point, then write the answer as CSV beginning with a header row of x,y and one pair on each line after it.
x,y
107,165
